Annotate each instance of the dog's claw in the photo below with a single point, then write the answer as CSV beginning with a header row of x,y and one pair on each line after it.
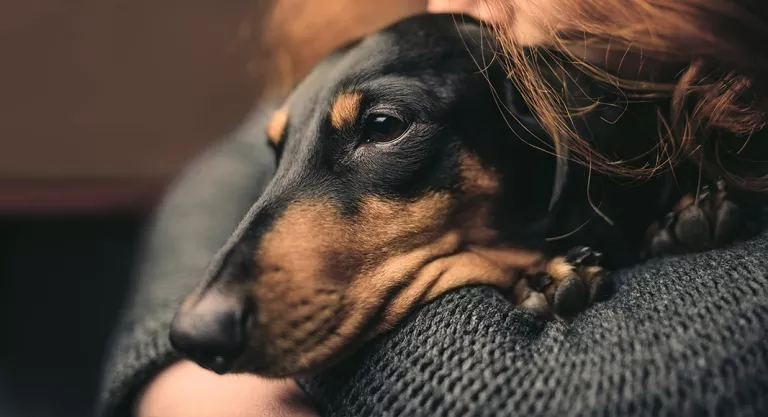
x,y
583,256
569,284
699,223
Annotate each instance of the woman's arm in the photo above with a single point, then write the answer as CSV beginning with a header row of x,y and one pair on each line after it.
x,y
186,390
682,336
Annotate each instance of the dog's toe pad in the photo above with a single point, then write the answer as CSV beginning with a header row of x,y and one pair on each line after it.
x,y
570,297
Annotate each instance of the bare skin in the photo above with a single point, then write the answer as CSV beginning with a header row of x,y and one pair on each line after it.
x,y
185,389
472,7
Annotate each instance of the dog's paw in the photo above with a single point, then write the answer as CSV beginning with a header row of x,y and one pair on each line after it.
x,y
698,223
566,285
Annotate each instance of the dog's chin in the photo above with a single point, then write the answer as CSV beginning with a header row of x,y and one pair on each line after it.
x,y
294,365
283,352
275,371
286,370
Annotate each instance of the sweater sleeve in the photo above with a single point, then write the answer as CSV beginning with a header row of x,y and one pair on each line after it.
x,y
683,336
194,221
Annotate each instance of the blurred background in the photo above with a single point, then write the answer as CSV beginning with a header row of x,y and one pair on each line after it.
x,y
102,103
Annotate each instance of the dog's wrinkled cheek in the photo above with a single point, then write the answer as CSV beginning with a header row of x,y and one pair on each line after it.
x,y
464,249
398,239
324,276
299,293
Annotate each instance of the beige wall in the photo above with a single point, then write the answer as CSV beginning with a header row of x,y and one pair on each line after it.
x,y
108,89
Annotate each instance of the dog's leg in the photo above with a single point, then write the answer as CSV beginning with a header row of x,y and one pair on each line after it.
x,y
697,223
564,286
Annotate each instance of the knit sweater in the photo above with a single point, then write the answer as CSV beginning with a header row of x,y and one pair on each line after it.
x,y
683,336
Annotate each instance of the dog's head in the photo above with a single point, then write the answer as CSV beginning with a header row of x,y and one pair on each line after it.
x,y
393,162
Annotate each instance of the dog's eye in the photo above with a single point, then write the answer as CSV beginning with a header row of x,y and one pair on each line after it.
x,y
381,128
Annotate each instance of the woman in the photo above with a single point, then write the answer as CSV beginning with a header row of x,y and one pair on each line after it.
x,y
709,58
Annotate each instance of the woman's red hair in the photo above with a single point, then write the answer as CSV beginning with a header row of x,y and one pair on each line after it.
x,y
716,88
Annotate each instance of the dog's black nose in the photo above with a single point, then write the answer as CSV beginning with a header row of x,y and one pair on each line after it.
x,y
212,331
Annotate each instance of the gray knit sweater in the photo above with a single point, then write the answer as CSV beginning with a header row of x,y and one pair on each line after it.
x,y
684,336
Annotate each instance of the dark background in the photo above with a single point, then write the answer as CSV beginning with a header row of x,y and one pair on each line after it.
x,y
62,283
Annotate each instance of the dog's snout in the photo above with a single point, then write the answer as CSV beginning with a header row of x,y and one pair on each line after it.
x,y
212,331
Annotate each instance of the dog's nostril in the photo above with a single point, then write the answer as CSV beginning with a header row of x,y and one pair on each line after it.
x,y
213,332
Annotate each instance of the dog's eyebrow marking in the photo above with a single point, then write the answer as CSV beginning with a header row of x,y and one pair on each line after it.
x,y
276,126
345,109
477,179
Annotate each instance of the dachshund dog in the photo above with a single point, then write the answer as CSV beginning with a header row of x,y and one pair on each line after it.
x,y
409,166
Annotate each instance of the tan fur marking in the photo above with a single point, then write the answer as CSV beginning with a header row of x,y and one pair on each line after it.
x,y
591,272
501,268
300,300
559,269
476,179
276,126
510,257
480,188
684,202
345,109
528,299
325,276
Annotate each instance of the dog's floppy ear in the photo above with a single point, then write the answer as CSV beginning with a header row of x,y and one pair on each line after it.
x,y
521,113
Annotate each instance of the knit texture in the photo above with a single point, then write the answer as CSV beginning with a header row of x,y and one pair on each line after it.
x,y
684,336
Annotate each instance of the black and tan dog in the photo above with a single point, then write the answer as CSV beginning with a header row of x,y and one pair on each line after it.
x,y
409,166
